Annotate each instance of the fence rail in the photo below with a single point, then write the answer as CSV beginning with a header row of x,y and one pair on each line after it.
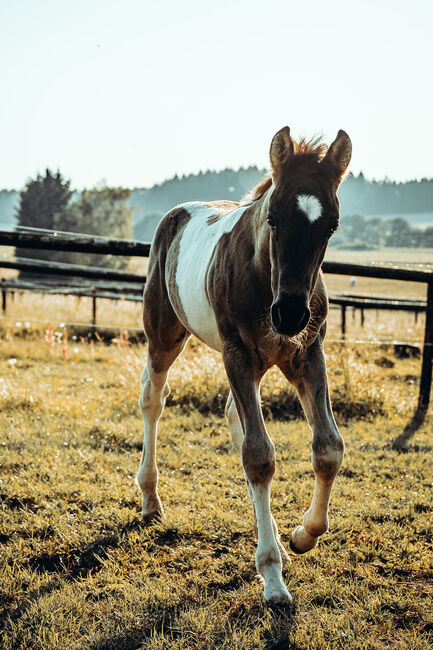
x,y
50,284
381,272
74,270
78,242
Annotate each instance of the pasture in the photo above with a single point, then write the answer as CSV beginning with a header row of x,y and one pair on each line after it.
x,y
80,570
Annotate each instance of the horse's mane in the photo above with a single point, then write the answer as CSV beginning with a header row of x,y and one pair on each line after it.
x,y
314,148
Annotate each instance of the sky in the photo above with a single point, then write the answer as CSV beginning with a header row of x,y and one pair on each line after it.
x,y
131,92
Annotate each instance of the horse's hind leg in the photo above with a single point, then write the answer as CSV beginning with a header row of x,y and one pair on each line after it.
x,y
237,436
327,447
166,339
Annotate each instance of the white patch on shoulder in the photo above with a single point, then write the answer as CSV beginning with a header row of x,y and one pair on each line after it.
x,y
310,206
198,242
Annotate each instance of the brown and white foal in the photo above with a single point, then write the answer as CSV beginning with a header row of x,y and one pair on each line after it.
x,y
245,279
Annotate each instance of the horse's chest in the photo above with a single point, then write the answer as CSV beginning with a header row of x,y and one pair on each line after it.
x,y
197,244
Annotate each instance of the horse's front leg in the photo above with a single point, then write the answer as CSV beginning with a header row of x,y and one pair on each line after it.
x,y
237,436
327,446
258,460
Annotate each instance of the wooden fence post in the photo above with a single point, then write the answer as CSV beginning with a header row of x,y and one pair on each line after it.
x,y
427,353
343,321
94,311
426,377
4,296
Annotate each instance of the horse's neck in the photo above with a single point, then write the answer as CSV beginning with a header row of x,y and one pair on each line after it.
x,y
260,233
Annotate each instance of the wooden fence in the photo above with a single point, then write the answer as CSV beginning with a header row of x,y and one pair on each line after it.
x,y
50,240
125,289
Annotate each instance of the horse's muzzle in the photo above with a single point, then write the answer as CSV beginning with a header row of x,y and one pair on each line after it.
x,y
289,314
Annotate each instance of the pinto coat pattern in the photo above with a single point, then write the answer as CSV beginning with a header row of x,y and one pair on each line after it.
x,y
245,279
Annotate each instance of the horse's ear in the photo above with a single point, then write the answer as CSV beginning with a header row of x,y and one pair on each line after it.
x,y
339,155
281,148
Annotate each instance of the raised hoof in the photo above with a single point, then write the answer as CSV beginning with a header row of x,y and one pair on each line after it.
x,y
294,549
309,541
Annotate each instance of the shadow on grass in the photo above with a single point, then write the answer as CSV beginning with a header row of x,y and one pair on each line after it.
x,y
279,634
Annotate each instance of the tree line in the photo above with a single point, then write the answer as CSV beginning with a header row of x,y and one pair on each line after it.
x,y
48,202
358,232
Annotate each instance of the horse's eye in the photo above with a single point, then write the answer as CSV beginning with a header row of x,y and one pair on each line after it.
x,y
271,223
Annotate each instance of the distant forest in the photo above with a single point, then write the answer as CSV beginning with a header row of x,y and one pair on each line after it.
x,y
391,207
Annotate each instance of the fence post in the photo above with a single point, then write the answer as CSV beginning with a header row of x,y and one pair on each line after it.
x,y
427,353
426,376
343,320
4,295
94,311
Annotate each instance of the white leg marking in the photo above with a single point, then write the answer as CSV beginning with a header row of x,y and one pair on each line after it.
x,y
237,436
154,391
310,206
268,559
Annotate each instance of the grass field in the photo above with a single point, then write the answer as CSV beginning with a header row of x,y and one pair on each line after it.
x,y
80,570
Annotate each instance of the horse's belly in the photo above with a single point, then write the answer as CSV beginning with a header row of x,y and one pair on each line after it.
x,y
199,315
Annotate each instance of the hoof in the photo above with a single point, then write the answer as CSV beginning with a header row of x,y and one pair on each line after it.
x,y
152,517
287,607
294,549
276,593
305,542
280,601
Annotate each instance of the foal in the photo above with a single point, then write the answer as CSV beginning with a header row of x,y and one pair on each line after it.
x,y
245,279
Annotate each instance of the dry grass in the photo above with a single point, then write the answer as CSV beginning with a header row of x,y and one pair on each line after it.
x,y
418,258
80,570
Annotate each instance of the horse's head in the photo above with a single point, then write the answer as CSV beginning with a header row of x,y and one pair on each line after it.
x,y
303,213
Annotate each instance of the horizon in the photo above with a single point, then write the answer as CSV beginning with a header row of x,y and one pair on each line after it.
x,y
133,96
101,183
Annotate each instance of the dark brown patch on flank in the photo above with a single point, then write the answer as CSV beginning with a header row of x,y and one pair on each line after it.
x,y
171,267
163,323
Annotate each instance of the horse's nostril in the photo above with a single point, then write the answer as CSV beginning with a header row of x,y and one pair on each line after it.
x,y
289,316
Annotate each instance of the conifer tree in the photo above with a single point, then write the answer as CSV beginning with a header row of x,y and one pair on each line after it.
x,y
40,201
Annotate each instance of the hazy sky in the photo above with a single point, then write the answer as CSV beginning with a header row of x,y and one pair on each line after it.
x,y
135,91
